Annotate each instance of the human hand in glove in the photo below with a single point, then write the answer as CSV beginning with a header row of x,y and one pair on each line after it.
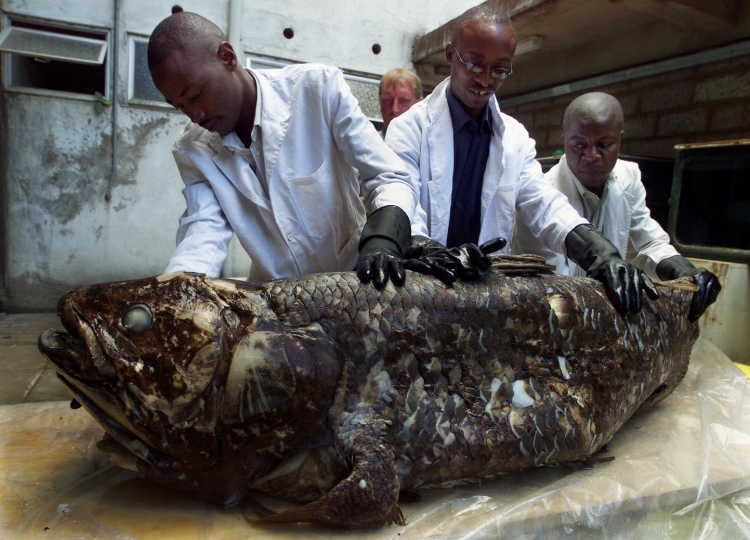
x,y
384,239
422,256
467,261
600,259
707,282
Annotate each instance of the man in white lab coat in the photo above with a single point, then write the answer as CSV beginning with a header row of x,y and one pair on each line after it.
x,y
476,167
609,193
274,156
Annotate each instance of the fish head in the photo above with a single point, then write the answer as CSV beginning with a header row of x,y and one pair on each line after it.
x,y
141,357
182,371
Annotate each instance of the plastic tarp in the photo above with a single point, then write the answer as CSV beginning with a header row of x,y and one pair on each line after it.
x,y
681,470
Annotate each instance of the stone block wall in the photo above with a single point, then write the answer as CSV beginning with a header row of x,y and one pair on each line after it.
x,y
710,102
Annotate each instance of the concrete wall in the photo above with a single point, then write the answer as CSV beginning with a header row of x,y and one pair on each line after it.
x,y
725,322
705,103
57,229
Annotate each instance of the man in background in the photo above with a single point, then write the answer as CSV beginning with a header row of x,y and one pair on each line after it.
x,y
399,90
608,192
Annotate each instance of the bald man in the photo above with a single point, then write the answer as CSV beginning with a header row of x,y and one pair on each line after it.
x,y
476,167
608,192
273,155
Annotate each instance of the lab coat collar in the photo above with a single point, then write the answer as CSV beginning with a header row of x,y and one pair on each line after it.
x,y
493,172
460,117
583,191
440,150
274,121
440,145
232,140
438,107
274,109
614,203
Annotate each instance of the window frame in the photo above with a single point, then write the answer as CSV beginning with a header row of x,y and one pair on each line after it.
x,y
270,63
7,58
273,63
135,101
102,45
703,153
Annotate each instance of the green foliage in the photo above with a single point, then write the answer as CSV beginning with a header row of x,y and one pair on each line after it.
x,y
100,102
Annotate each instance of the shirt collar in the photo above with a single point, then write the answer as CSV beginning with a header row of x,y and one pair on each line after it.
x,y
460,117
258,101
232,139
587,195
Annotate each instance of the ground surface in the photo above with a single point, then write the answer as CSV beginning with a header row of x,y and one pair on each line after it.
x,y
25,375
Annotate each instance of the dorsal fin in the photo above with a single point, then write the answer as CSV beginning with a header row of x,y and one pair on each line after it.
x,y
513,265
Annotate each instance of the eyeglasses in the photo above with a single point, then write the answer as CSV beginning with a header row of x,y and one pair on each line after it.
x,y
476,69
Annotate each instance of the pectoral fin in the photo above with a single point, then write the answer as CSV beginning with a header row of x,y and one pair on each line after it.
x,y
367,497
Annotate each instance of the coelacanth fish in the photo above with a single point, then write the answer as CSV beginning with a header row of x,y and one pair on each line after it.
x,y
323,390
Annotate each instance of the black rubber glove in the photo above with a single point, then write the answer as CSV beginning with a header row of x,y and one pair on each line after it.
x,y
423,256
448,264
384,239
600,259
708,284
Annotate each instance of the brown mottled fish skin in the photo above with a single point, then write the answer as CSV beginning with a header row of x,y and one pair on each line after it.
x,y
323,390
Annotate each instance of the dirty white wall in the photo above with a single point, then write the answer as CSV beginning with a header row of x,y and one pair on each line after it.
x,y
58,231
342,33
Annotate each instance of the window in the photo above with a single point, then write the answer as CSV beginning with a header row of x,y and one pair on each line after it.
x,y
367,92
710,205
258,62
56,58
365,88
141,89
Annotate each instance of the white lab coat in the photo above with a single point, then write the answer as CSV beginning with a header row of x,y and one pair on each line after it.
x,y
626,222
314,135
513,181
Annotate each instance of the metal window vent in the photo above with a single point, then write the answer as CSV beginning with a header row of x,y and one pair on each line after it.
x,y
52,46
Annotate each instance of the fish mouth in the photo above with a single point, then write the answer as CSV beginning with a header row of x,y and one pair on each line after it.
x,y
76,351
125,437
77,361
60,348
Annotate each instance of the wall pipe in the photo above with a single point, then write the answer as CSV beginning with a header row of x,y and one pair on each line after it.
x,y
114,51
234,31
236,256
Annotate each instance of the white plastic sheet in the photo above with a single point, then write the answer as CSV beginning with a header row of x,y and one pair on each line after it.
x,y
681,470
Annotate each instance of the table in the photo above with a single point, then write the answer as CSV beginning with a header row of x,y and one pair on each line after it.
x,y
681,470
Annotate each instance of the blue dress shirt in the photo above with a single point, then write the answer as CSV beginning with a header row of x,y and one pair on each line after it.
x,y
471,148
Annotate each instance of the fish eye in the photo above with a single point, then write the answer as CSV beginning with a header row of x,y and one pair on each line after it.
x,y
137,319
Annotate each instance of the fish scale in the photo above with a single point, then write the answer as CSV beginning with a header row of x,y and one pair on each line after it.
x,y
327,391
523,303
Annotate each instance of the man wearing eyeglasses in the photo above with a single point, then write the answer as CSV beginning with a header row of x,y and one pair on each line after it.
x,y
476,167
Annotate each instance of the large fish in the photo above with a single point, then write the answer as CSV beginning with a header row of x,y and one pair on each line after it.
x,y
322,390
